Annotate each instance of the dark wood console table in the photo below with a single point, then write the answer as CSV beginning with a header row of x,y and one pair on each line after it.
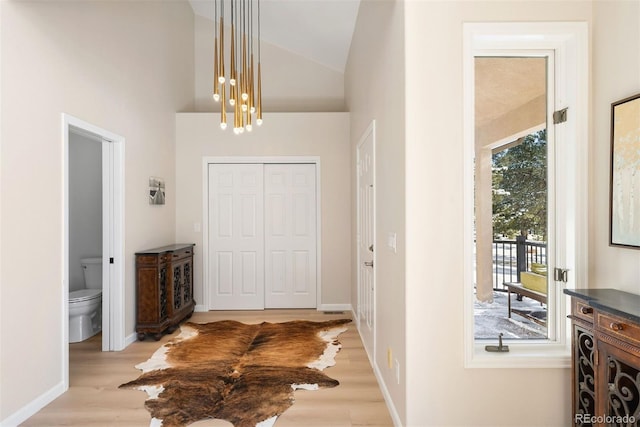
x,y
164,289
605,357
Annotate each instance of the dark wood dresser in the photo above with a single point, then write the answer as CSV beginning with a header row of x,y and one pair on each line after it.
x,y
605,357
164,289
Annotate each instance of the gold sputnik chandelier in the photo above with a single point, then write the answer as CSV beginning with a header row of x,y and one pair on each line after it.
x,y
239,84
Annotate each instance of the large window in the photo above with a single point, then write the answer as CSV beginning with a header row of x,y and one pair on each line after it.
x,y
522,221
511,203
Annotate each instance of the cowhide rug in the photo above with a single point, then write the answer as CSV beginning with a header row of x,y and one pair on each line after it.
x,y
245,374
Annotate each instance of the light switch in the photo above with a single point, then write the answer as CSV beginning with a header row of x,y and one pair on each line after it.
x,y
196,227
391,241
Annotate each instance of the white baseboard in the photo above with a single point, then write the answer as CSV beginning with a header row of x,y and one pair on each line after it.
x,y
32,407
130,339
321,307
387,397
383,387
335,307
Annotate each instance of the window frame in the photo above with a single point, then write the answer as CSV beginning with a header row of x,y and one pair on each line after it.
x,y
567,44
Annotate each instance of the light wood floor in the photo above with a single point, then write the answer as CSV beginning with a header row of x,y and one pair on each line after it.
x,y
93,398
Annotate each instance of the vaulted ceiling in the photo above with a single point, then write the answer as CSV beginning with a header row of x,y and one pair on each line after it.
x,y
321,30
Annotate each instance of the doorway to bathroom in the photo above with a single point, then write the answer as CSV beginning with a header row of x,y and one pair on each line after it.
x,y
93,222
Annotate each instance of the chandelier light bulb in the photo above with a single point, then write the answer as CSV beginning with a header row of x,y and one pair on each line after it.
x,y
249,128
244,107
232,102
232,82
259,122
245,96
221,79
216,97
223,125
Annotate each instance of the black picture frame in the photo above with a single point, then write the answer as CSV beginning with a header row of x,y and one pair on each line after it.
x,y
624,183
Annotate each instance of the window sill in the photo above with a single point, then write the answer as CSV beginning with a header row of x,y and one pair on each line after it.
x,y
520,355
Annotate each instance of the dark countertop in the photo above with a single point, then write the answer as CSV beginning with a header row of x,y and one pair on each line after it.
x,y
168,248
623,304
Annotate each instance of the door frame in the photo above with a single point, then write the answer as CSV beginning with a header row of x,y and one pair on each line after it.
x,y
206,161
113,336
370,131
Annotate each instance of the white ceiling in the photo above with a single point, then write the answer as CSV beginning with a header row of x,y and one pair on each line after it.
x,y
320,30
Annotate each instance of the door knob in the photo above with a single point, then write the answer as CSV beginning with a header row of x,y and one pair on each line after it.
x,y
368,263
371,248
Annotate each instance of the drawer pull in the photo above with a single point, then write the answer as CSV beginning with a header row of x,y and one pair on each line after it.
x,y
616,326
586,310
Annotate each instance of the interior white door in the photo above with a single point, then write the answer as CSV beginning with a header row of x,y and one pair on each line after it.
x,y
290,235
107,241
366,239
236,236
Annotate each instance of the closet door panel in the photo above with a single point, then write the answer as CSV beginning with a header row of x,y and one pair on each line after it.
x,y
224,268
290,235
236,236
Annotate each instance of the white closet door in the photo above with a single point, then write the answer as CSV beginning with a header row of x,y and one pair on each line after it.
x,y
290,235
236,236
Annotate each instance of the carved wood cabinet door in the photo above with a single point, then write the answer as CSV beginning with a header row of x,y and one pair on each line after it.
x,y
619,382
182,284
584,373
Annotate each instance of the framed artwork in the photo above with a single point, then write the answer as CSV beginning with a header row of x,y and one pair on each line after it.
x,y
156,191
624,191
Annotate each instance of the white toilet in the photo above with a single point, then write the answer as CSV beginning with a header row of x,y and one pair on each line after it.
x,y
85,305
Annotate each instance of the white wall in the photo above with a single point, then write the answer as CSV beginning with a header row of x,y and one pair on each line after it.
x,y
291,82
123,66
440,391
616,75
85,204
198,135
375,91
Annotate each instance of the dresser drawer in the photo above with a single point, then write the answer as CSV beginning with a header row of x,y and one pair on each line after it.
x,y
181,254
148,260
618,327
582,310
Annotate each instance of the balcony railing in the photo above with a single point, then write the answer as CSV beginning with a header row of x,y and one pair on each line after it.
x,y
510,257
